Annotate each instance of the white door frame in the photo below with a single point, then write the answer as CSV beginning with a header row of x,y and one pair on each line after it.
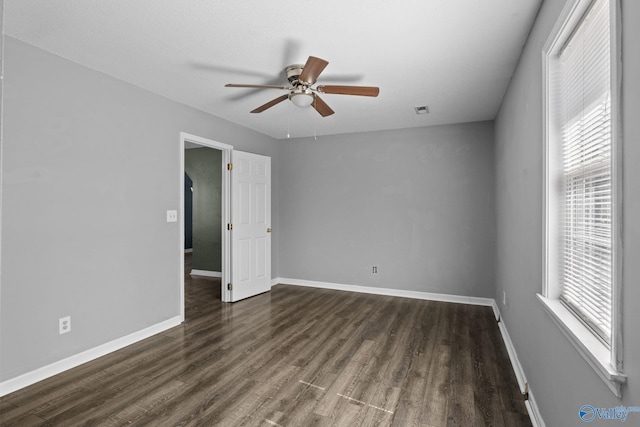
x,y
226,212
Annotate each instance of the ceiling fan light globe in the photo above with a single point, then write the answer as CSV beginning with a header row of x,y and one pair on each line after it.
x,y
302,99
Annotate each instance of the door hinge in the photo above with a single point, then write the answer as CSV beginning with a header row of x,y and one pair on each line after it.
x,y
229,287
229,166
229,226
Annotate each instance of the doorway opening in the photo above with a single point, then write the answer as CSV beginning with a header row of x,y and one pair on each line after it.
x,y
188,141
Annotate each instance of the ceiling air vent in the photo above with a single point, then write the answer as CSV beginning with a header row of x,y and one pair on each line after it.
x,y
421,109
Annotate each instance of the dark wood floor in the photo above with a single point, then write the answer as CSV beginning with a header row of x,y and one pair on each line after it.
x,y
292,357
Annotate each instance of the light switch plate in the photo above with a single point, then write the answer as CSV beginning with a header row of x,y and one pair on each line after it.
x,y
172,216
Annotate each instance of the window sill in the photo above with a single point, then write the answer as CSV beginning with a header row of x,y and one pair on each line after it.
x,y
591,349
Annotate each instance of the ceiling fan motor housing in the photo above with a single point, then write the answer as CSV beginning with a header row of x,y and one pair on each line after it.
x,y
293,73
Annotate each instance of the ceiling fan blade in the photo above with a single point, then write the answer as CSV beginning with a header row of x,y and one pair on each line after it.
x,y
350,90
270,104
213,68
259,86
321,106
312,70
242,94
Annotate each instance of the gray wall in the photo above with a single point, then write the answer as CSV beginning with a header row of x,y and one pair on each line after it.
x,y
90,166
560,379
204,167
417,203
1,133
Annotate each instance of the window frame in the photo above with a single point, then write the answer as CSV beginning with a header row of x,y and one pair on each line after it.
x,y
606,362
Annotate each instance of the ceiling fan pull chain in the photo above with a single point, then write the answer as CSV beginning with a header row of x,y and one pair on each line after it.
x,y
288,126
315,129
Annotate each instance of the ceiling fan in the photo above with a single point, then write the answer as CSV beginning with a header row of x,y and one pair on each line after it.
x,y
301,91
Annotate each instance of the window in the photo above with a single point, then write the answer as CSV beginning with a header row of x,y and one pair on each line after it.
x,y
582,244
583,74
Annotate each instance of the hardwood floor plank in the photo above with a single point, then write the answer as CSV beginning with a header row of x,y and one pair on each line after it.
x,y
381,408
435,404
5,407
292,357
135,409
29,421
461,403
350,414
298,409
349,374
488,408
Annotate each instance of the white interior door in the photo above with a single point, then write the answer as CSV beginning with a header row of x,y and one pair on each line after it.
x,y
251,222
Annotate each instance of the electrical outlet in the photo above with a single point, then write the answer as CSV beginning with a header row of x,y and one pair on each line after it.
x,y
504,297
64,325
172,216
374,270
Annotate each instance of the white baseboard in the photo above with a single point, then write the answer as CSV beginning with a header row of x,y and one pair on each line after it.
x,y
205,273
530,403
515,362
24,380
388,292
534,412
496,310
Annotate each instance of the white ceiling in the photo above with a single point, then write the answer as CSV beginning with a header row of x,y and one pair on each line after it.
x,y
456,56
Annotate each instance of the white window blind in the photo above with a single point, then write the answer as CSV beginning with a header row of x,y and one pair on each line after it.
x,y
584,86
